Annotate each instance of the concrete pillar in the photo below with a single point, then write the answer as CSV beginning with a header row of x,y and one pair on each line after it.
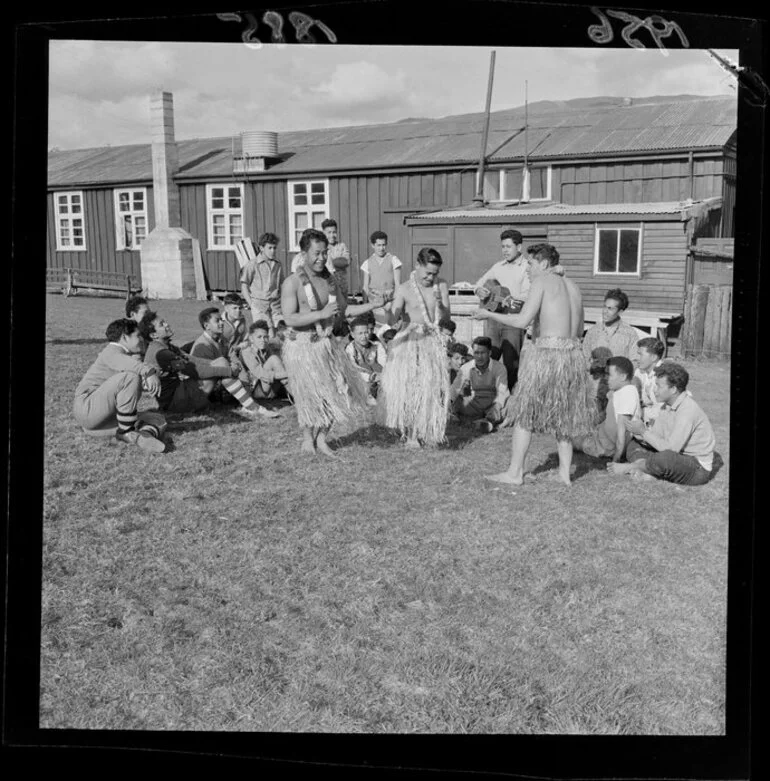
x,y
166,253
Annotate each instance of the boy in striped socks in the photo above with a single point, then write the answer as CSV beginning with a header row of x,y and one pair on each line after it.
x,y
209,345
110,390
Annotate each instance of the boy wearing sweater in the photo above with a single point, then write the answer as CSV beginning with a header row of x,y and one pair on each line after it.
x,y
263,371
109,392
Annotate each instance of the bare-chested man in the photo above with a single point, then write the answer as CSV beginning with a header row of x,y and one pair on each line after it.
x,y
324,383
552,395
415,383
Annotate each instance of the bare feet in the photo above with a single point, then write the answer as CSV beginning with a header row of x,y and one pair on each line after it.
x,y
323,447
505,477
308,447
616,468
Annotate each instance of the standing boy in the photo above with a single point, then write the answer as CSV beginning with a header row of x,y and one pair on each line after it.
x,y
109,392
261,280
610,437
209,346
381,277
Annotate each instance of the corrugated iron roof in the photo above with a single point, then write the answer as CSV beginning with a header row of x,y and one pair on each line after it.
x,y
555,130
560,209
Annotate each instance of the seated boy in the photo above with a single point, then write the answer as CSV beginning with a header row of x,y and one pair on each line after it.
x,y
480,389
447,327
599,372
179,388
109,393
234,330
367,356
458,356
263,371
209,346
650,357
609,438
136,306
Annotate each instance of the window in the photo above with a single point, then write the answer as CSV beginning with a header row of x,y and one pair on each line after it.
x,y
224,208
618,250
308,207
70,222
506,184
130,218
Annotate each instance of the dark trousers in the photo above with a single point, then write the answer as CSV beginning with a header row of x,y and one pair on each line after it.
x,y
509,341
668,465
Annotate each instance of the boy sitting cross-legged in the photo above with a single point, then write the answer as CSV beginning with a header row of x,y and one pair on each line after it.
x,y
367,356
263,371
610,438
179,388
109,392
209,345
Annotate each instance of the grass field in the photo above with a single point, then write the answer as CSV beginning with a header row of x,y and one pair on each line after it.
x,y
234,584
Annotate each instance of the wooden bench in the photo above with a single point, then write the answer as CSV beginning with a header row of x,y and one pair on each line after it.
x,y
646,323
92,279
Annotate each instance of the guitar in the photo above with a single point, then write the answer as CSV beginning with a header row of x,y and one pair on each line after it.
x,y
500,299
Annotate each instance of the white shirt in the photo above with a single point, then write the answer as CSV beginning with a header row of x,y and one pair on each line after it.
x,y
511,274
624,401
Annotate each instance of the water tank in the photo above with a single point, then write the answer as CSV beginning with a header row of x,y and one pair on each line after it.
x,y
259,143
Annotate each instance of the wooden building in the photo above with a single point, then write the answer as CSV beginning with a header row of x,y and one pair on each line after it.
x,y
643,164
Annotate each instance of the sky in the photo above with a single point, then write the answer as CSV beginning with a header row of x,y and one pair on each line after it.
x,y
99,91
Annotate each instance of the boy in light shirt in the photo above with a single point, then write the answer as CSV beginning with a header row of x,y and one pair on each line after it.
x,y
650,357
381,278
609,438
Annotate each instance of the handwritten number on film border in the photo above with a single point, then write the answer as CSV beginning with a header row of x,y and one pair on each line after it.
x,y
656,25
302,24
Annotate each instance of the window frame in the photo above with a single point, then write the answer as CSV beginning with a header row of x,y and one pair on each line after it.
x,y
501,183
639,227
58,216
120,243
308,209
226,211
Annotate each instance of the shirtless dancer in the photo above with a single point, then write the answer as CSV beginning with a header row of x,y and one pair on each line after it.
x,y
415,383
552,395
325,385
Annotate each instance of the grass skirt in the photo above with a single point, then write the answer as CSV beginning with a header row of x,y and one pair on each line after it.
x,y
325,385
414,390
553,394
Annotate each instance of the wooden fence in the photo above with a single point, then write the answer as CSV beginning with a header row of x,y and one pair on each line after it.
x,y
708,315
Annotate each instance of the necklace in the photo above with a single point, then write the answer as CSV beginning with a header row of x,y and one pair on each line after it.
x,y
425,315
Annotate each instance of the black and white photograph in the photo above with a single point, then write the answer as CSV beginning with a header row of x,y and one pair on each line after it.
x,y
388,388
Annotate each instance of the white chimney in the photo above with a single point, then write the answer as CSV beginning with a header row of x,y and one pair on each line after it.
x,y
165,161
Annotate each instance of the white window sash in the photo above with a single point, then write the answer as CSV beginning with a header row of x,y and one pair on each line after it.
x,y
307,209
134,214
226,214
635,274
502,186
69,222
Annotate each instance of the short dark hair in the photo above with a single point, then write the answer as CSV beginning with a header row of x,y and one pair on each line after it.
x,y
622,364
123,327
483,341
676,375
511,234
378,235
329,223
133,304
458,347
448,323
206,315
359,320
234,298
429,255
267,238
388,335
146,327
259,325
544,251
616,294
311,235
652,345
598,362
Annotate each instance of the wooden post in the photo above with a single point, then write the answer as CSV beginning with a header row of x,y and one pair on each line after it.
x,y
201,293
711,325
724,325
700,297
685,333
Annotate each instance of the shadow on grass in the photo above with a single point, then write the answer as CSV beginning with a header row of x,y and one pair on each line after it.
x,y
719,462
582,464
373,435
459,436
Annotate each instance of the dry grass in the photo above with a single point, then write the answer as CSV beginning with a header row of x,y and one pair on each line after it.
x,y
233,584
